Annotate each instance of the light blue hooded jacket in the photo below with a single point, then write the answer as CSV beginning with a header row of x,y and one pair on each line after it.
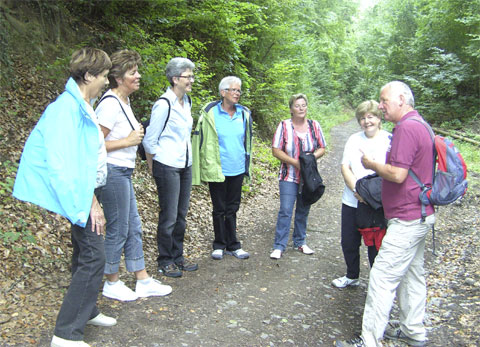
x,y
58,166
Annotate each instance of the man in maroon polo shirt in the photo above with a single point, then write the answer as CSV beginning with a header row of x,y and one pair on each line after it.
x,y
398,268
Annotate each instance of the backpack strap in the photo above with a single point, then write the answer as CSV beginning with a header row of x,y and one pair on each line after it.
x,y
410,171
168,114
424,189
417,180
112,96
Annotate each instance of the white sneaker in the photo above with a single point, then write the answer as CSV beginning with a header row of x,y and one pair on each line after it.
x,y
276,254
305,249
152,288
59,342
102,321
217,254
344,281
119,291
239,253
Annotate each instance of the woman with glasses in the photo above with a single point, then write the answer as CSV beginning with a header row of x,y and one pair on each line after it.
x,y
222,144
169,156
293,136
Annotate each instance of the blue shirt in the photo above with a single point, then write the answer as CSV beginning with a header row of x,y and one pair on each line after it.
x,y
172,146
231,139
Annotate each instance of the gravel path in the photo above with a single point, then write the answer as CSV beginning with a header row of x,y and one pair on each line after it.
x,y
290,302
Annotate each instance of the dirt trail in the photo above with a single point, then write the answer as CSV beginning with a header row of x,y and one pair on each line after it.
x,y
259,301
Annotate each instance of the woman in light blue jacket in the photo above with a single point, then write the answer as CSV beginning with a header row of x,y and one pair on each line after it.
x,y
62,167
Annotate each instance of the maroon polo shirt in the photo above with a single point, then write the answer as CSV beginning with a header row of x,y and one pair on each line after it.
x,y
411,148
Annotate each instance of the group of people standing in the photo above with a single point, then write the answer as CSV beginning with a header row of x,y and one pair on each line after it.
x,y
78,162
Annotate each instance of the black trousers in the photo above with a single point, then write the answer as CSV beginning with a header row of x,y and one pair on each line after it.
x,y
80,302
351,240
226,198
173,188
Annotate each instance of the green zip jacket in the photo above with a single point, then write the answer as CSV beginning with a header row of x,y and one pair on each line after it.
x,y
206,165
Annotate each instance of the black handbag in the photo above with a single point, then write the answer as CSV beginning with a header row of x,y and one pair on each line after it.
x,y
312,187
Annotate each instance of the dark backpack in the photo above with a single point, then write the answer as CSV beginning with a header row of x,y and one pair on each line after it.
x,y
449,173
141,149
145,124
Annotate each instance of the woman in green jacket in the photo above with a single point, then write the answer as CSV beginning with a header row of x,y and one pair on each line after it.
x,y
222,144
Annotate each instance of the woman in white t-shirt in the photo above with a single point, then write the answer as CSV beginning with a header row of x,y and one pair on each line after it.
x,y
374,141
123,229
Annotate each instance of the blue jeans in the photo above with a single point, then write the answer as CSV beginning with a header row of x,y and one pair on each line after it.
x,y
124,228
173,187
80,302
288,196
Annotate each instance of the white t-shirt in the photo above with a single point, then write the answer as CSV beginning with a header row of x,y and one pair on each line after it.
x,y
375,147
102,151
111,116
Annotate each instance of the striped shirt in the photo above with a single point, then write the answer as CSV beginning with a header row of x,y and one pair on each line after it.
x,y
287,140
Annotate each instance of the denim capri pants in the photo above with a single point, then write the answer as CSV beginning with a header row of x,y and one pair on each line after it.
x,y
124,228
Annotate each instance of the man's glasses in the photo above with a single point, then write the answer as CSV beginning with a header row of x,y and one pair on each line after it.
x,y
191,77
233,90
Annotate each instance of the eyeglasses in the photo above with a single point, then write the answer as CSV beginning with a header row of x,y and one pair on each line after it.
x,y
191,77
233,90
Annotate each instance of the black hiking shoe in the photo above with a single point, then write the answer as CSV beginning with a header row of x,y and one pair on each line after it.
x,y
187,265
170,270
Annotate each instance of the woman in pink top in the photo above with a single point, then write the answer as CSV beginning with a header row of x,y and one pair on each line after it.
x,y
293,136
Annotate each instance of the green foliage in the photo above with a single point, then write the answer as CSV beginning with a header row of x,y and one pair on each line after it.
x,y
8,170
328,115
433,45
14,230
6,63
16,233
322,48
262,155
264,166
470,154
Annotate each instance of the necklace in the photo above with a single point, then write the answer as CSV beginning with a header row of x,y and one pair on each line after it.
x,y
120,96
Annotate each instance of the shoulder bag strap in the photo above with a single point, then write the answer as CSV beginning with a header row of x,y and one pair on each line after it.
x,y
314,136
111,96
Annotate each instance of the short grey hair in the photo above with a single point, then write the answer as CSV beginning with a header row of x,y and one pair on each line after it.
x,y
226,82
177,66
402,89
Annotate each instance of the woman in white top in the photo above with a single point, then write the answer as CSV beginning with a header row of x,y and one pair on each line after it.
x,y
373,141
123,230
169,155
